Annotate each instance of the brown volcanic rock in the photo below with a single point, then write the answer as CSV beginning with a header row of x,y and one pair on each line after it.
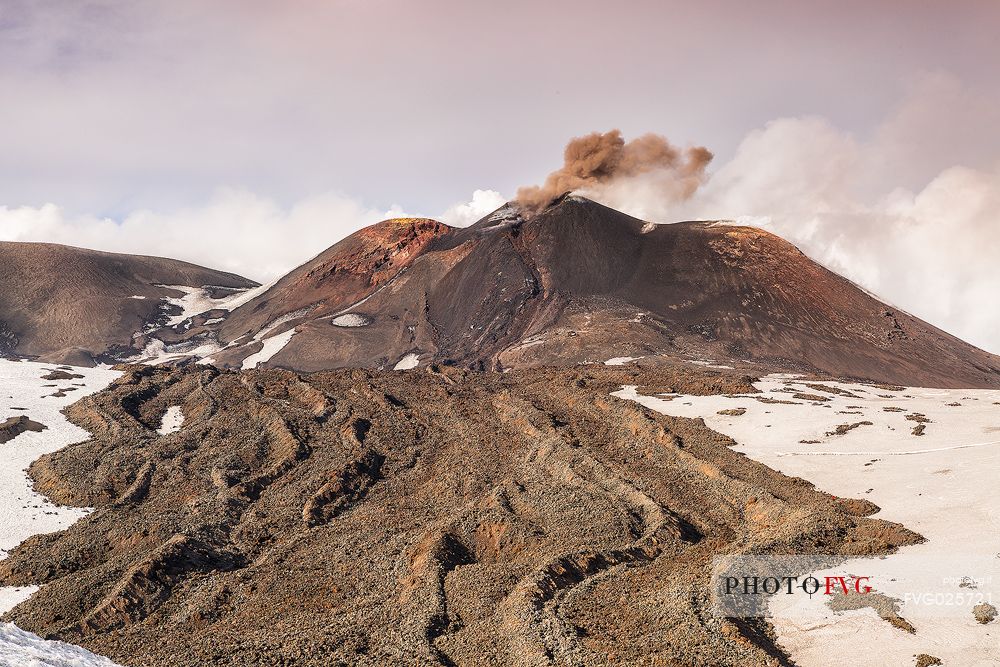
x,y
373,265
60,303
437,516
15,426
581,282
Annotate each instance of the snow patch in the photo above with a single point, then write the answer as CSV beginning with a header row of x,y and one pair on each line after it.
x,y
198,300
19,648
234,301
942,484
406,363
759,221
284,319
157,352
708,364
195,301
620,361
23,512
272,346
172,420
350,320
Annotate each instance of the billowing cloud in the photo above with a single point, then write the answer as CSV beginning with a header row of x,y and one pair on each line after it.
x,y
482,203
931,250
235,231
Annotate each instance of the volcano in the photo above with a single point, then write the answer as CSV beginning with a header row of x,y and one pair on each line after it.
x,y
579,282
70,305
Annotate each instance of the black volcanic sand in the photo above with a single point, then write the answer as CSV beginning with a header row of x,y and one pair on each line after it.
x,y
434,516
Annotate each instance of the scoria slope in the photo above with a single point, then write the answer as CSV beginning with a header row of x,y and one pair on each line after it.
x,y
61,303
366,277
579,282
430,517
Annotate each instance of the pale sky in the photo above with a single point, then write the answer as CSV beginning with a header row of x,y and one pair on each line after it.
x,y
157,125
111,106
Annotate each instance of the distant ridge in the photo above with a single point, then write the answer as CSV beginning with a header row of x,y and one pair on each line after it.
x,y
65,304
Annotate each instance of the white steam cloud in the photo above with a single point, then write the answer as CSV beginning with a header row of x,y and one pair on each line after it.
x,y
483,203
235,231
932,250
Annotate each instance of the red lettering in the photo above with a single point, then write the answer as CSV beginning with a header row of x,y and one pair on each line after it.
x,y
832,581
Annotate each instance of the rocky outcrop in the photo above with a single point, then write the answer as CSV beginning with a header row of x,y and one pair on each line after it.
x,y
8,339
15,426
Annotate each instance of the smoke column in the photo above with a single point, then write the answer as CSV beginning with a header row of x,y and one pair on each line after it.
x,y
599,161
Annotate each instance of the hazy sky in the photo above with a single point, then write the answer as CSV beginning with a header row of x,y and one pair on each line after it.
x,y
151,125
111,106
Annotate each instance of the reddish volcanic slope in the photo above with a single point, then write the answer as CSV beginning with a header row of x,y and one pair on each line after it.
x,y
580,282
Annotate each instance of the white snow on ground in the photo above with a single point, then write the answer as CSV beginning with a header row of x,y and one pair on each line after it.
x,y
272,346
350,320
620,361
530,341
759,221
942,484
708,364
24,649
234,301
284,319
197,300
172,420
406,363
157,352
23,512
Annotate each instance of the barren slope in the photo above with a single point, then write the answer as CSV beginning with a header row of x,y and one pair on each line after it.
x,y
581,282
62,303
429,517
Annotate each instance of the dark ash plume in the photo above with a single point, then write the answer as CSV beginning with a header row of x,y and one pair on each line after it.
x,y
597,161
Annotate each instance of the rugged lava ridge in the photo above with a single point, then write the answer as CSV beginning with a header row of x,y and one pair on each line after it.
x,y
437,516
